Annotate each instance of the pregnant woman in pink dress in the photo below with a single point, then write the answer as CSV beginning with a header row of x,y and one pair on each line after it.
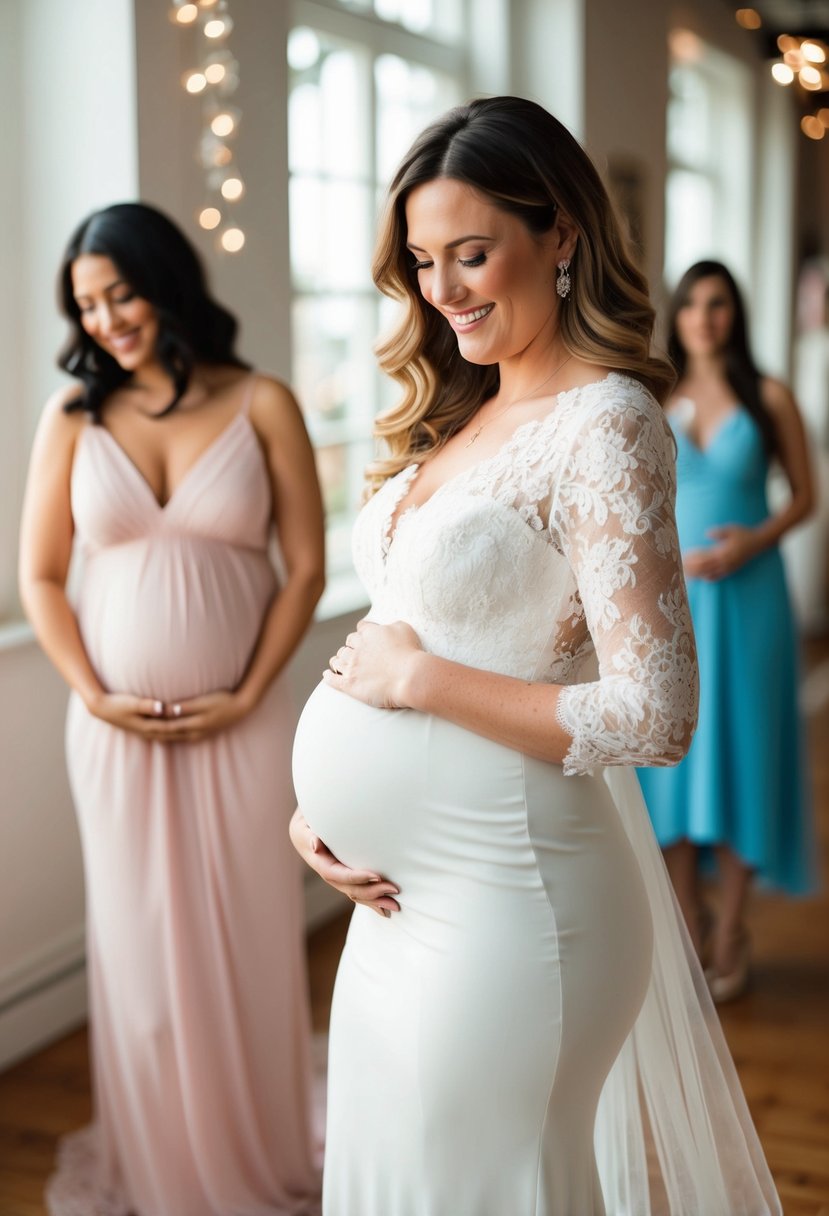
x,y
169,468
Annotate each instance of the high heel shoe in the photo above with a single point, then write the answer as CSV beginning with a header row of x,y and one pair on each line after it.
x,y
733,983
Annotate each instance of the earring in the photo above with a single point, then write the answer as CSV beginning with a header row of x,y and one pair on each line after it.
x,y
563,280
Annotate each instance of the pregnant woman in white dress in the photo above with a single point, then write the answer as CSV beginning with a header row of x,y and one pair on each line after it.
x,y
526,968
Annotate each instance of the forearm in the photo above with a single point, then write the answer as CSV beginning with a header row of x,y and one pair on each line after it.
x,y
512,712
285,625
57,631
769,532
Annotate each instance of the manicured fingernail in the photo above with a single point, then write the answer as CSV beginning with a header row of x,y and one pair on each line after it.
x,y
175,710
158,707
385,912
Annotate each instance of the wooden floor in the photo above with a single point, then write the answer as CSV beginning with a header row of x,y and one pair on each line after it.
x,y
778,1033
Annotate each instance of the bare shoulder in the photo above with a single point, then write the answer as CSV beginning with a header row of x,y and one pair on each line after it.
x,y
58,429
274,408
777,397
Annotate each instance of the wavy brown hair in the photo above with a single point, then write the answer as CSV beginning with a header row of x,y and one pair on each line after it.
x,y
525,162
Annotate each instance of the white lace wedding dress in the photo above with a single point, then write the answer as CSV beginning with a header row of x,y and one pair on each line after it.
x,y
536,973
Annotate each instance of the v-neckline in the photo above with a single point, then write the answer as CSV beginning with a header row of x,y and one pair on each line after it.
x,y
675,415
408,475
200,459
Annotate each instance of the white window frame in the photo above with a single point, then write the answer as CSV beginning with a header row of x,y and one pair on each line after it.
x,y
377,37
727,164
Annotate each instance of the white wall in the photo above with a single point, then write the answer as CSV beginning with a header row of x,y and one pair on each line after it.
x,y
67,78
105,132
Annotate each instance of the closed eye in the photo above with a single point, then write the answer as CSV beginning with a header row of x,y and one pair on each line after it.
x,y
478,260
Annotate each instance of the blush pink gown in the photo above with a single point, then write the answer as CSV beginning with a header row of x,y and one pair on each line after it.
x,y
199,1011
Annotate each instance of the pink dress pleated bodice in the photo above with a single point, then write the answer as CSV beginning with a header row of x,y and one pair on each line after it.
x,y
199,1013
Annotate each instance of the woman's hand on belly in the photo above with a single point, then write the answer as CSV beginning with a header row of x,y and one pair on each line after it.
x,y
190,721
373,663
179,722
360,886
142,716
735,546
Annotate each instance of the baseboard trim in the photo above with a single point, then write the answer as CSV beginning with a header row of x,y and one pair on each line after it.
x,y
40,1017
45,997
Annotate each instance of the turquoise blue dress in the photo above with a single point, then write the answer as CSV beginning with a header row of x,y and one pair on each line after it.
x,y
744,780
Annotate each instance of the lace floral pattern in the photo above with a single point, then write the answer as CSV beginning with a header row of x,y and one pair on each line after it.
x,y
552,558
78,1186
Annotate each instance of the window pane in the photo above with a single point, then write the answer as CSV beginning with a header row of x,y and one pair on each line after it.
x,y
689,117
689,231
331,237
328,105
341,470
439,18
334,367
408,97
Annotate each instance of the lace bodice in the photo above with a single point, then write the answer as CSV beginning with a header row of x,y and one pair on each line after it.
x,y
555,559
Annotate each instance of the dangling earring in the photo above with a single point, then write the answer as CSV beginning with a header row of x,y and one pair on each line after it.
x,y
563,280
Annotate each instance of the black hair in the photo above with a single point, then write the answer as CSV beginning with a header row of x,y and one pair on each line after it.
x,y
160,265
741,371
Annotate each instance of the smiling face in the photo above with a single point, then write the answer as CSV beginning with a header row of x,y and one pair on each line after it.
x,y
122,323
705,319
483,270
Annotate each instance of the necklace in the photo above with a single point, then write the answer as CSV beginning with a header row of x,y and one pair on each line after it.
x,y
520,397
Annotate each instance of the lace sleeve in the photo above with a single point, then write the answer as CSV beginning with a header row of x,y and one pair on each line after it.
x,y
614,520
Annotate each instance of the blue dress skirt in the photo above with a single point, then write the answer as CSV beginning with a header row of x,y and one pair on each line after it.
x,y
744,781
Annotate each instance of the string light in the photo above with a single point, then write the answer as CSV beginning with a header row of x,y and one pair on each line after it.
x,y
813,52
210,217
802,60
214,78
232,188
223,124
812,126
748,18
195,82
218,27
810,77
232,239
782,73
185,14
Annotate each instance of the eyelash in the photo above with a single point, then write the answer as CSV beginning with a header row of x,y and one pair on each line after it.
x,y
121,300
478,260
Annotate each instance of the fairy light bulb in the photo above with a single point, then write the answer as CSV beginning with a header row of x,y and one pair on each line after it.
x,y
223,124
813,52
217,27
195,82
215,72
232,240
812,126
210,217
232,188
782,73
186,14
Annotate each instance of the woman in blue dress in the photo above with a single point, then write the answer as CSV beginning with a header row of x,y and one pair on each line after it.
x,y
741,792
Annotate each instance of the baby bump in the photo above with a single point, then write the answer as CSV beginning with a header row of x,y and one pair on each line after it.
x,y
435,807
173,617
357,775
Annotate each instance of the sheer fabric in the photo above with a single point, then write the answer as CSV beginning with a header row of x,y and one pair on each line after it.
x,y
556,560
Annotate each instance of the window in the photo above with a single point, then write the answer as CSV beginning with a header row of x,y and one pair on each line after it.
x,y
708,202
364,79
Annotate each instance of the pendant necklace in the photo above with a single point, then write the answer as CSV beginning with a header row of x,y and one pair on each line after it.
x,y
515,400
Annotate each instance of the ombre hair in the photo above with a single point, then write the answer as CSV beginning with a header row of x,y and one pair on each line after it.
x,y
526,163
